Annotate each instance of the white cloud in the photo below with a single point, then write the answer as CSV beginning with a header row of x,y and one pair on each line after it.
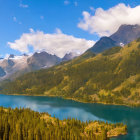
x,y
6,56
57,43
66,2
106,22
23,5
58,31
31,30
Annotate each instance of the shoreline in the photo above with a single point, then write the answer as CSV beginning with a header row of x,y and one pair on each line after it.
x,y
112,132
74,99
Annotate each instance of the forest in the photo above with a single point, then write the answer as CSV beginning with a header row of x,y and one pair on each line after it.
x,y
111,77
25,124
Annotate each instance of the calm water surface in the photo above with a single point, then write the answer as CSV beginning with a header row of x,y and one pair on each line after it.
x,y
62,109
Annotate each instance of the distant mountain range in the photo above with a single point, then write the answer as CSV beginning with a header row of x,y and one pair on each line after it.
x,y
13,66
70,56
110,77
42,60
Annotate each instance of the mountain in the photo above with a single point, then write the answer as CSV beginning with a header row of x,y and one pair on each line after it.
x,y
7,64
13,66
103,44
111,77
69,56
126,34
42,60
11,56
2,72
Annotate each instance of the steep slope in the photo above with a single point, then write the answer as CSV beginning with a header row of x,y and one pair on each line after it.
x,y
42,60
103,44
69,56
126,34
11,56
2,72
7,64
13,66
110,77
24,124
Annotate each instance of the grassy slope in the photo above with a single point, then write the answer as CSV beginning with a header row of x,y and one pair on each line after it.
x,y
26,124
111,77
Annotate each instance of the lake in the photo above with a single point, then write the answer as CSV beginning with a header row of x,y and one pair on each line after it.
x,y
62,109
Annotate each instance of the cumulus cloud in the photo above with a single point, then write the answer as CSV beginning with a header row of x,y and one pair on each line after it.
x,y
58,31
106,22
57,43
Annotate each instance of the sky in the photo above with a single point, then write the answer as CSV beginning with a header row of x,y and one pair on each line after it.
x,y
61,26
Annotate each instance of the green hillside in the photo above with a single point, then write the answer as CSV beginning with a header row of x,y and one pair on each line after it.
x,y
110,77
24,124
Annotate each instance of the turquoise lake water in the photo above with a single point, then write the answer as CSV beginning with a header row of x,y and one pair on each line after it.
x,y
62,109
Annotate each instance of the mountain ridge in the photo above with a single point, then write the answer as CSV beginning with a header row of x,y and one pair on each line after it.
x,y
124,35
14,66
103,44
111,77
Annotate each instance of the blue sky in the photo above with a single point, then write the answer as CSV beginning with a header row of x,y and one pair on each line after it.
x,y
18,16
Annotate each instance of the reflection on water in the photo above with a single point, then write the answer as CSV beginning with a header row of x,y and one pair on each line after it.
x,y
66,108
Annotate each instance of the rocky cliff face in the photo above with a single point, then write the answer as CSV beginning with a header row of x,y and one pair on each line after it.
x,y
126,34
42,60
2,72
69,56
103,44
14,66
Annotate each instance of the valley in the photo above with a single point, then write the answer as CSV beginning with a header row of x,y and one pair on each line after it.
x,y
69,70
99,78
